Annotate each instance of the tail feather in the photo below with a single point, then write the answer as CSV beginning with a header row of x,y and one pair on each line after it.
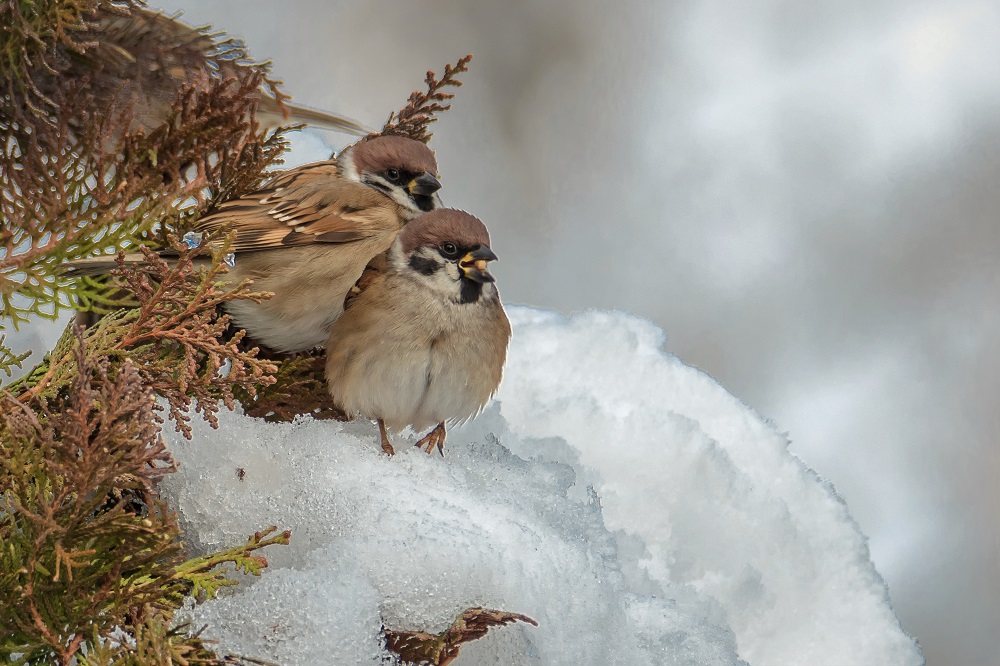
x,y
314,117
101,265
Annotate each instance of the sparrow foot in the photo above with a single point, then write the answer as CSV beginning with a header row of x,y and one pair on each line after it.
x,y
435,438
386,444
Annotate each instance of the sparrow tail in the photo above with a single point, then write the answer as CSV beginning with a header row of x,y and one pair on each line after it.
x,y
99,265
313,117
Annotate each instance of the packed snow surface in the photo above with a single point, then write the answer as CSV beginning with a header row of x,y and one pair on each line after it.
x,y
628,503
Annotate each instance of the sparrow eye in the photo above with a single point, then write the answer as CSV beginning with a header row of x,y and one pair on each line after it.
x,y
449,250
392,175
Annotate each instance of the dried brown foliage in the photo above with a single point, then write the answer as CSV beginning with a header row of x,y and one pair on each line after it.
x,y
178,332
144,58
414,119
299,389
126,54
75,566
103,437
174,336
87,550
417,647
77,177
36,33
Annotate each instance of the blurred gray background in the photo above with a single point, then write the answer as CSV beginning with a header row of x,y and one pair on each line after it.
x,y
802,194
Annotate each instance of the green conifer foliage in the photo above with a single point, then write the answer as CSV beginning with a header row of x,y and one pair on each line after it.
x,y
92,563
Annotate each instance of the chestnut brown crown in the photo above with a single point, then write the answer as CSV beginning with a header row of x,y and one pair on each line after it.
x,y
377,154
444,224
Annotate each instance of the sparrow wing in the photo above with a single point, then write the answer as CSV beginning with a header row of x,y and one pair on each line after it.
x,y
306,205
374,272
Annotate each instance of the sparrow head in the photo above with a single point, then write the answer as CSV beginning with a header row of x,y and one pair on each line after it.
x,y
447,250
402,169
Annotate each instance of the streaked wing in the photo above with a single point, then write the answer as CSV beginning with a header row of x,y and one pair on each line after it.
x,y
309,204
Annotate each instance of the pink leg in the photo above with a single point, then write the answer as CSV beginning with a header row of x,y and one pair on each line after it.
x,y
386,444
435,438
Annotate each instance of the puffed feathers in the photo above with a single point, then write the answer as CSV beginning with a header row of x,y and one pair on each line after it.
x,y
408,354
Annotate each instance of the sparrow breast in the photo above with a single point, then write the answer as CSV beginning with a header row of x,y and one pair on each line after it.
x,y
425,341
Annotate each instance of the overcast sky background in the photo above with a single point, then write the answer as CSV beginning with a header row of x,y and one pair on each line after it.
x,y
803,195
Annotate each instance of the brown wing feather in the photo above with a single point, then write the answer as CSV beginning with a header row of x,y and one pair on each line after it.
x,y
375,270
306,205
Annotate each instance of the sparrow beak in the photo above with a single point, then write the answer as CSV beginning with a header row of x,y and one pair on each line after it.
x,y
473,264
423,185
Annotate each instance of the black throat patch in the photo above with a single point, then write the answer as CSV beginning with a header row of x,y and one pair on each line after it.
x,y
423,201
471,291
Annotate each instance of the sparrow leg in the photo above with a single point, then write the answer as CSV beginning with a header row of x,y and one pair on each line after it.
x,y
435,438
386,444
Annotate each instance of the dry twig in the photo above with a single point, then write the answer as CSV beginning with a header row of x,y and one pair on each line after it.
x,y
414,119
417,647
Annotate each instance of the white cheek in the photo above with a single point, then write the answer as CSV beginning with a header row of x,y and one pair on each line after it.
x,y
347,166
404,200
397,194
446,280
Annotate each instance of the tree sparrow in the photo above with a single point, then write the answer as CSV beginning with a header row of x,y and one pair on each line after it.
x,y
308,234
424,342
144,58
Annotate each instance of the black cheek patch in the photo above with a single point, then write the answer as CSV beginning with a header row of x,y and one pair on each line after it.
x,y
471,291
423,265
378,185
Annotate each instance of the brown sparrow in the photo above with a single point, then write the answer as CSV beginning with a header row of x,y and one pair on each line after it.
x,y
308,234
144,58
424,342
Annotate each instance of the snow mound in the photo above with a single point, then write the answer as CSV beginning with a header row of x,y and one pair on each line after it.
x,y
706,484
637,511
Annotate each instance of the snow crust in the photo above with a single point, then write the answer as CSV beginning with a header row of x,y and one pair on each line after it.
x,y
628,503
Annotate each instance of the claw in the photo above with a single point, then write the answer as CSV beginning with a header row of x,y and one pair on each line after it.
x,y
435,438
